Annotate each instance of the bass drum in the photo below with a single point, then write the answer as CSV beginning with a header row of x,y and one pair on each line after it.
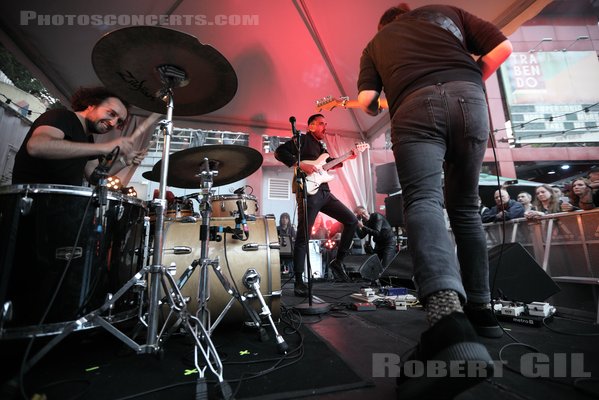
x,y
224,206
261,252
42,228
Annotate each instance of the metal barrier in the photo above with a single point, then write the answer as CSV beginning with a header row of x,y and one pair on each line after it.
x,y
563,244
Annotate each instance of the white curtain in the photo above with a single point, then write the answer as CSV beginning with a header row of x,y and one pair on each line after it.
x,y
355,176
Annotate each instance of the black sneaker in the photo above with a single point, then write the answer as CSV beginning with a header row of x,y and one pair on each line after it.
x,y
449,360
484,322
339,271
300,289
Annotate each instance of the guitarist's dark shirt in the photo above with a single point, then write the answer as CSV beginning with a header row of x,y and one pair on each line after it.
x,y
311,148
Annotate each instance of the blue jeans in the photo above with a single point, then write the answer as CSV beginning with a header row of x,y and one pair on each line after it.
x,y
444,128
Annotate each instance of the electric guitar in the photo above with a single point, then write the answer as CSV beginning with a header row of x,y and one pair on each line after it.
x,y
315,179
330,102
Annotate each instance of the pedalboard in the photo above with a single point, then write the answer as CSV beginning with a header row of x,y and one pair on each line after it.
x,y
363,306
532,314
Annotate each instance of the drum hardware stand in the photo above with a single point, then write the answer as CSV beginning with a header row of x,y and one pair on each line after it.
x,y
203,313
171,77
251,280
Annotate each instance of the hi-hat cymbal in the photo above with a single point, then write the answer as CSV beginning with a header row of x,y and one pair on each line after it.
x,y
127,61
232,162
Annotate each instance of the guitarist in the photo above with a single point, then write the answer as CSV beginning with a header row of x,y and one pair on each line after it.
x,y
322,201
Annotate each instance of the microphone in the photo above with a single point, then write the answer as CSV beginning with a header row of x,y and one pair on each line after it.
x,y
293,130
242,219
241,190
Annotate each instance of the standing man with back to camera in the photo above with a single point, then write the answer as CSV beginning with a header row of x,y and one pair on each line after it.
x,y
323,200
439,120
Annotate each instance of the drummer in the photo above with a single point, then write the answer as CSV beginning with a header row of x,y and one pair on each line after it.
x,y
59,147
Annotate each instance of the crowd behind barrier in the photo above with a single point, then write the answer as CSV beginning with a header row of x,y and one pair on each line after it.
x,y
563,244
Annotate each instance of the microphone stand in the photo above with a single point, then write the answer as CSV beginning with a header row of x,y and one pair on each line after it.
x,y
300,178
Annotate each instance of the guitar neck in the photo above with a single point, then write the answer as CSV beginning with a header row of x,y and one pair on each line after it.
x,y
354,104
336,161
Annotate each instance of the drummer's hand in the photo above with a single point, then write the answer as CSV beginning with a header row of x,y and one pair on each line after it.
x,y
136,157
125,145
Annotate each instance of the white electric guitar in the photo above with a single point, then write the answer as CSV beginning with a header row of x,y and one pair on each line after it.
x,y
315,179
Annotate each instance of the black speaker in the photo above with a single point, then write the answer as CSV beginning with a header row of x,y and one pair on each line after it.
x,y
371,268
387,181
394,210
400,271
353,262
515,275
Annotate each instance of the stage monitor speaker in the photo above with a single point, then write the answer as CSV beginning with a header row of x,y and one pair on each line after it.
x,y
371,269
400,271
519,277
394,210
387,181
353,262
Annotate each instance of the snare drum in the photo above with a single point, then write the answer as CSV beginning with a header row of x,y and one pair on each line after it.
x,y
226,205
42,227
260,252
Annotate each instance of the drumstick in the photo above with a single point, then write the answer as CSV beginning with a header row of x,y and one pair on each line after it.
x,y
139,130
145,124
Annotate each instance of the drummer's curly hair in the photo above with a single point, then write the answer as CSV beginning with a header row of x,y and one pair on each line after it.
x,y
92,96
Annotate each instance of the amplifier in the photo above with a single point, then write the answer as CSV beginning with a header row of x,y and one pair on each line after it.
x,y
286,244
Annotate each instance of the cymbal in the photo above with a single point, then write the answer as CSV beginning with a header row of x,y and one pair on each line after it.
x,y
126,61
232,162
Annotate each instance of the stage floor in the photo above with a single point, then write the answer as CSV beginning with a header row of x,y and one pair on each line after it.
x,y
338,358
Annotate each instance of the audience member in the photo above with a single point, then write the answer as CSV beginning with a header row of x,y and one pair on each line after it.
x,y
546,202
481,207
582,197
505,208
286,233
285,227
593,176
525,199
558,191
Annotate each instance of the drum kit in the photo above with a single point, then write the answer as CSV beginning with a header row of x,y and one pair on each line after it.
x,y
151,67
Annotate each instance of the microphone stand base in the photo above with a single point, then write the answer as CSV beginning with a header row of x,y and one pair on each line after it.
x,y
313,309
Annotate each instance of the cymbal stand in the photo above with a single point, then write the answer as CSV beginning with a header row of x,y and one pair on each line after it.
x,y
173,76
203,294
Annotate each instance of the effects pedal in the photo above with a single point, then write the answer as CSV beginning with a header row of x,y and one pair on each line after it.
x,y
363,306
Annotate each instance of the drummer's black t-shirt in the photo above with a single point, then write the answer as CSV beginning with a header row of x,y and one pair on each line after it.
x,y
28,169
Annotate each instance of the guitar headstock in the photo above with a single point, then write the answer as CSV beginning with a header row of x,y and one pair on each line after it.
x,y
330,102
362,146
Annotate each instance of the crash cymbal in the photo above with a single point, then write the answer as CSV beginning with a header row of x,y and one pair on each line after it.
x,y
127,62
232,162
